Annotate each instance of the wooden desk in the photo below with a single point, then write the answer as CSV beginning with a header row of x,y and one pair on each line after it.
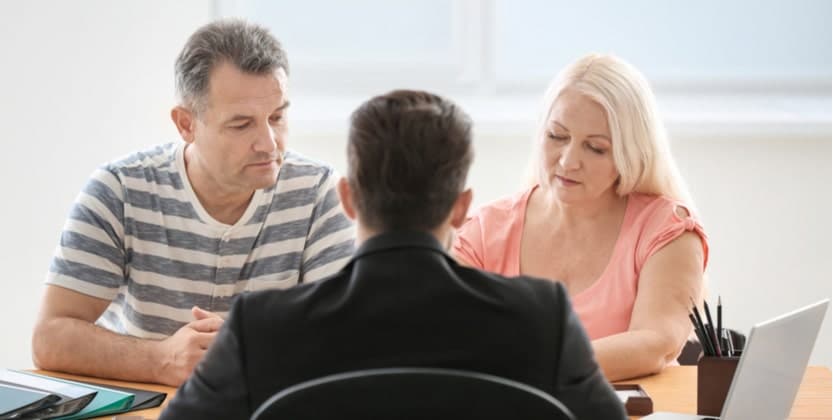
x,y
675,389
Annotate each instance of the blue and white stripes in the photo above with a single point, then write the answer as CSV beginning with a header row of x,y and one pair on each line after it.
x,y
138,236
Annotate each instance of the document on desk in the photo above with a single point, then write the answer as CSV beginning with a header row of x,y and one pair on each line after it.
x,y
15,401
108,401
142,398
44,397
61,399
104,400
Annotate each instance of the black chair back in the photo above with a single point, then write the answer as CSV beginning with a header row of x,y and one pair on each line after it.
x,y
411,393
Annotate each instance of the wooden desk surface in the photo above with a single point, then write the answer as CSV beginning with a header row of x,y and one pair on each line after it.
x,y
675,389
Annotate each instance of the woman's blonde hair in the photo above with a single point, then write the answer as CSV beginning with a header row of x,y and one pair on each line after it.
x,y
640,145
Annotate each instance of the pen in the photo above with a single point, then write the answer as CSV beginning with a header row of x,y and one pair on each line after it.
x,y
710,328
707,344
730,344
715,342
720,319
699,334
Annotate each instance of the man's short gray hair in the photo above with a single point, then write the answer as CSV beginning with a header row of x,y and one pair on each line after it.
x,y
249,47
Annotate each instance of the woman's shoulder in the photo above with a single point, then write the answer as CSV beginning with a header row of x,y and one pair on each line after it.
x,y
654,221
651,200
489,239
648,207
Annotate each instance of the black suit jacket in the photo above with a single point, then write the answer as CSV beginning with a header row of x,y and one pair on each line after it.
x,y
401,301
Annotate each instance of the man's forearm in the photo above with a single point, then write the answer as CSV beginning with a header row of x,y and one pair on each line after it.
x,y
76,346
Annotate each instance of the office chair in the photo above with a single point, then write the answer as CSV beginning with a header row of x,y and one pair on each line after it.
x,y
411,393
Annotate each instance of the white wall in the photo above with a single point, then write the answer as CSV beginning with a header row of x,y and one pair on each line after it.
x,y
84,82
81,82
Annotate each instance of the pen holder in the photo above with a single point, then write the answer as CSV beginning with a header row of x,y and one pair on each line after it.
x,y
714,376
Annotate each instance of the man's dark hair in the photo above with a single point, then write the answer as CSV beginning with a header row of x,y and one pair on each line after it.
x,y
408,155
249,47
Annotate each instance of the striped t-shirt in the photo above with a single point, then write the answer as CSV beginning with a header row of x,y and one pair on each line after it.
x,y
138,236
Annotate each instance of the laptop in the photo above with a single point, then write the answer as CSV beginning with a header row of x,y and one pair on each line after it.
x,y
770,369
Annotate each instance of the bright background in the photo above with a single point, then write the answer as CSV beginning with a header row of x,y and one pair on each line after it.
x,y
744,88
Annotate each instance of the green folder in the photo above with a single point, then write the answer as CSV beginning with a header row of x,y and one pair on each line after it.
x,y
107,401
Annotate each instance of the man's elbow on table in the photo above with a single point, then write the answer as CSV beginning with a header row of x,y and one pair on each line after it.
x,y
46,351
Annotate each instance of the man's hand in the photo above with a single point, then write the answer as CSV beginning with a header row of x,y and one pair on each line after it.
x,y
181,352
200,313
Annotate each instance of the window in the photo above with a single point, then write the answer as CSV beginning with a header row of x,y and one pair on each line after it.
x,y
741,63
518,45
708,43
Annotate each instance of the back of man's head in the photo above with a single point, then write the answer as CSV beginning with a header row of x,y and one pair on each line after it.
x,y
408,156
251,48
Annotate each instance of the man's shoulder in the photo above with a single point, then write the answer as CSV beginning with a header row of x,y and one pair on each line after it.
x,y
278,305
144,171
540,288
523,287
159,156
157,162
296,165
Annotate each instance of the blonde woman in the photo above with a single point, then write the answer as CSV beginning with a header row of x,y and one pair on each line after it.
x,y
608,215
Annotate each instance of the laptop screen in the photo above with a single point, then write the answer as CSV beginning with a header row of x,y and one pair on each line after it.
x,y
773,364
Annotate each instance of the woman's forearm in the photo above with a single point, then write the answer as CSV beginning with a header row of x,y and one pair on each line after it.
x,y
633,353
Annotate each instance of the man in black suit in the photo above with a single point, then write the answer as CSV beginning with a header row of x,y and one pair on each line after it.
x,y
401,301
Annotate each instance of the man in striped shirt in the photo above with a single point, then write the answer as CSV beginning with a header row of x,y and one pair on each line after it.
x,y
159,243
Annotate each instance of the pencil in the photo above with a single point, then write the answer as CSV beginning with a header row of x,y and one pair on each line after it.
x,y
710,328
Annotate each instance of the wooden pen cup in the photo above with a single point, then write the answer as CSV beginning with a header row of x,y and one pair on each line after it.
x,y
714,377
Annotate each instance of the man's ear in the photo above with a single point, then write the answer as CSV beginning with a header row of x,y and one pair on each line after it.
x,y
184,120
461,208
345,195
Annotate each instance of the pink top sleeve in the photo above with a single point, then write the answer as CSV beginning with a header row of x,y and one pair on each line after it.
x,y
664,221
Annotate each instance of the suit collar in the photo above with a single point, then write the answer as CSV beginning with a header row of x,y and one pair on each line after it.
x,y
396,240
